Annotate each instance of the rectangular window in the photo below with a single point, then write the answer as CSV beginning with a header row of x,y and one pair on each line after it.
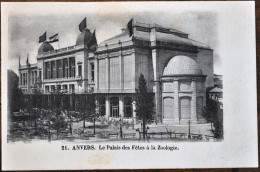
x,y
92,68
71,87
65,87
40,75
53,66
72,64
48,70
23,78
79,70
26,79
59,69
59,87
66,67
53,88
46,89
35,77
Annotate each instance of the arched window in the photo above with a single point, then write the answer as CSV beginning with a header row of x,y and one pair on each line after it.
x,y
168,107
128,110
114,107
185,107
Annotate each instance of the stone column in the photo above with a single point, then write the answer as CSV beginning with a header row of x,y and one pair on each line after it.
x,y
107,106
194,102
96,67
121,105
176,116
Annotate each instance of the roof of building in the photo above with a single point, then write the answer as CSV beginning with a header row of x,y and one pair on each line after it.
x,y
216,90
163,34
84,37
45,47
182,65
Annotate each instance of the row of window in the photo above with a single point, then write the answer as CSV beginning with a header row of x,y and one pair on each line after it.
x,y
65,68
61,69
24,78
51,88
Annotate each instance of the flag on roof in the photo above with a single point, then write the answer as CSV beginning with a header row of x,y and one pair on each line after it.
x,y
93,40
130,27
83,24
42,38
54,38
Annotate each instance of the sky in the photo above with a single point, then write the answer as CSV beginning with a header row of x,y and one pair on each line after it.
x,y
25,29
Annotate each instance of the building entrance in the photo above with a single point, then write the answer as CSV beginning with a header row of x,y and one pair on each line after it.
x,y
115,112
114,107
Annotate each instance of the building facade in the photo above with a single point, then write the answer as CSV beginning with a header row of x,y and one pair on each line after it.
x,y
177,71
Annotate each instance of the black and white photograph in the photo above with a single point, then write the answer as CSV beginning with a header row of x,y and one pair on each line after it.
x,y
110,76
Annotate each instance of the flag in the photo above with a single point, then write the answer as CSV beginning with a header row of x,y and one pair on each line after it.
x,y
54,38
92,40
42,38
130,27
83,24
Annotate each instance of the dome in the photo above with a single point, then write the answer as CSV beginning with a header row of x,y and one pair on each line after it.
x,y
84,37
45,47
182,65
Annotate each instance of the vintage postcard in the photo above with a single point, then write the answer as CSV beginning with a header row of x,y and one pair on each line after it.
x,y
127,85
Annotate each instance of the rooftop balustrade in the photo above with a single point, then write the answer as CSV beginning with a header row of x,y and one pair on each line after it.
x,y
63,79
61,50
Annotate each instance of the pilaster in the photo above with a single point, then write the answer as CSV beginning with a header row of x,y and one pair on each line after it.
x,y
158,96
176,116
96,67
194,102
108,73
107,106
121,66
121,105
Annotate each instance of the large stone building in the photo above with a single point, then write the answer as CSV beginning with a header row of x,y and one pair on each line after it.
x,y
177,70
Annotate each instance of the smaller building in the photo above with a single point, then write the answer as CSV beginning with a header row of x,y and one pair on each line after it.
x,y
28,76
183,91
217,95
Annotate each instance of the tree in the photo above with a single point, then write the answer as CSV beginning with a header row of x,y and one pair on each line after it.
x,y
37,106
144,103
15,95
214,115
55,118
91,113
